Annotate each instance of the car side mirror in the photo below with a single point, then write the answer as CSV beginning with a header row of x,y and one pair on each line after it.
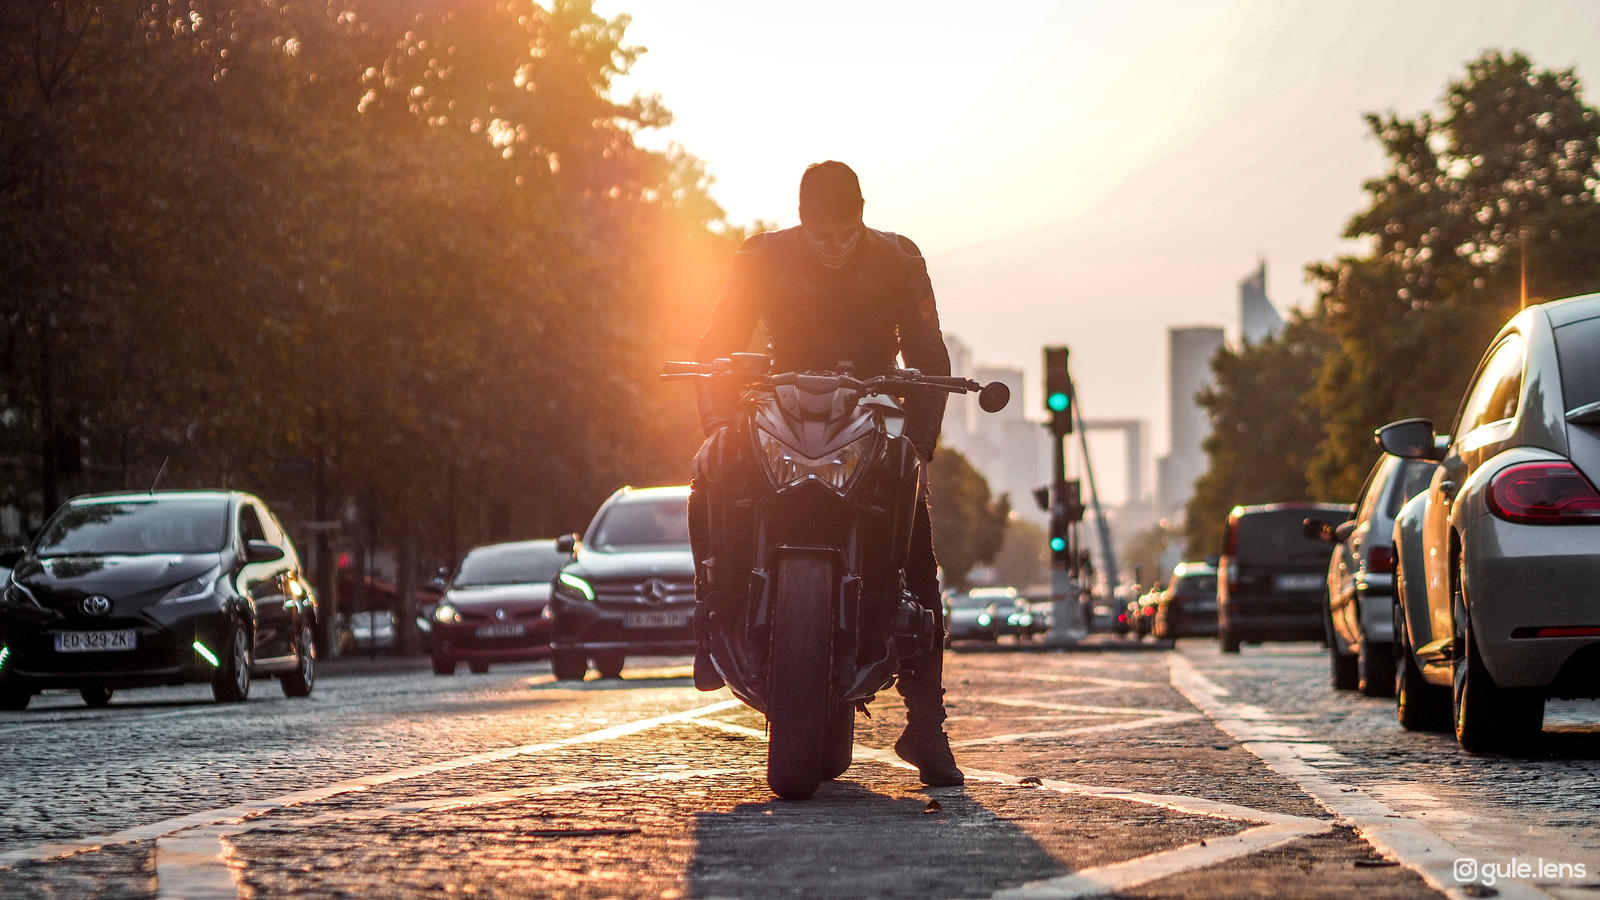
x,y
567,543
1319,530
262,552
1409,439
994,396
10,556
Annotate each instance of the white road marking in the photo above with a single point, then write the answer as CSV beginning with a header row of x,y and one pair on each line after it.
x,y
1286,750
1148,722
154,830
1145,869
1078,708
195,864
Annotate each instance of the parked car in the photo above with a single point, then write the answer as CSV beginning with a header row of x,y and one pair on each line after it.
x,y
1188,606
1272,578
1359,616
366,631
629,588
166,587
493,608
1142,612
1499,599
1012,614
970,617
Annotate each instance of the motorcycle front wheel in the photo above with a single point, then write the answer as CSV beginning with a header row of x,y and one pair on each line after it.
x,y
797,708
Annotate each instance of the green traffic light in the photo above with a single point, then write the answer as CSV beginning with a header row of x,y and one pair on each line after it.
x,y
1058,401
1058,544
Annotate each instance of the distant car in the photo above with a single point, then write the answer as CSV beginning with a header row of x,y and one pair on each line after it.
x,y
1011,612
493,609
1359,618
970,617
1188,606
1141,612
1272,578
366,631
166,587
1499,597
629,588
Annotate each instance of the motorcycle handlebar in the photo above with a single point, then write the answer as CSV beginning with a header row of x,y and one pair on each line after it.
x,y
901,380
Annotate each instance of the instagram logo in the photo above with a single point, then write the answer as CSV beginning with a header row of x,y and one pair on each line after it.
x,y
1466,869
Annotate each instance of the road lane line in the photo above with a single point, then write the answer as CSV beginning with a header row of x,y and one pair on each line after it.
x,y
58,849
1196,806
198,864
1156,866
1395,836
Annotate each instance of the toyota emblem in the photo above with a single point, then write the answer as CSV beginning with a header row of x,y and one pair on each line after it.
x,y
95,605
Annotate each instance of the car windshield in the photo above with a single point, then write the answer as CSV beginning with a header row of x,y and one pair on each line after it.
x,y
968,601
633,524
509,565
1277,538
133,527
1196,586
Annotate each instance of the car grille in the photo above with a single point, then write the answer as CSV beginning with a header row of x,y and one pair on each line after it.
x,y
636,593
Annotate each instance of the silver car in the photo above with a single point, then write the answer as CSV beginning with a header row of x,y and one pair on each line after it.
x,y
1499,586
1360,611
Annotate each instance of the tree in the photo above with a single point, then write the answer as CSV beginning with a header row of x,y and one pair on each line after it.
x,y
1024,556
968,524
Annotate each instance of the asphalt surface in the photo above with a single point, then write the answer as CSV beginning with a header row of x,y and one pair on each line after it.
x,y
1126,771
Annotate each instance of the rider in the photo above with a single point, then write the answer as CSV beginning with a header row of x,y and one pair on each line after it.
x,y
829,291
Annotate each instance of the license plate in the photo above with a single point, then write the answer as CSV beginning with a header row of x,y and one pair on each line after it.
x,y
94,641
514,629
664,619
1299,582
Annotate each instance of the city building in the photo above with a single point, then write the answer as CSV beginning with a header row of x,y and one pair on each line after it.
x,y
1190,350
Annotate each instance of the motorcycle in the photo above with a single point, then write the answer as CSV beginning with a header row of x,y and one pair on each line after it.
x,y
803,509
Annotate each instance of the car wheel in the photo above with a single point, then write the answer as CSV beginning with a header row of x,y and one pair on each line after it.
x,y
231,682
1343,666
609,664
443,666
568,665
478,668
1488,718
1375,668
95,696
1419,706
15,698
304,677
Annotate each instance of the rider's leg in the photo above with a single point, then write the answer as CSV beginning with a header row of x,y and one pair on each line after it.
x,y
921,681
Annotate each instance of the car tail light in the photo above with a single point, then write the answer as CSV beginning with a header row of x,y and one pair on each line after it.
x,y
1543,494
1380,559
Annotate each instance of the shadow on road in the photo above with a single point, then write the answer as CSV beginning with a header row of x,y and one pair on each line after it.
x,y
850,841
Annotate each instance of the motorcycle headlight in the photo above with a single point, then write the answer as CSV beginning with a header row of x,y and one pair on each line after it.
x,y
193,589
837,470
446,613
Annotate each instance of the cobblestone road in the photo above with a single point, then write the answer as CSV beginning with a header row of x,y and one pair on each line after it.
x,y
1141,772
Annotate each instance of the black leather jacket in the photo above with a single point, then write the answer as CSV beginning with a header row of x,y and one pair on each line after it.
x,y
876,306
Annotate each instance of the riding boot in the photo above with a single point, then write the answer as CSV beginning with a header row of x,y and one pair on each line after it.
x,y
923,743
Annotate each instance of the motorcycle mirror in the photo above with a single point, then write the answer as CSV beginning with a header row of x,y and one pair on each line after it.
x,y
994,397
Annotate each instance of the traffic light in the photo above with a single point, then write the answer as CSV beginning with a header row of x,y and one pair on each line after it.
x,y
1058,390
1058,540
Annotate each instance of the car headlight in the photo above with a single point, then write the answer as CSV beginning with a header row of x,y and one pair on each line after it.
x,y
787,468
984,619
445,613
576,585
193,589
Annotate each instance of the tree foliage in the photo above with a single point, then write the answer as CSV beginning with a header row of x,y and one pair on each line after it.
x,y
968,524
1489,200
409,244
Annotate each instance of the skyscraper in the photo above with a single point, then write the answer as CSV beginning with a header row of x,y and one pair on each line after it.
x,y
1188,369
1258,318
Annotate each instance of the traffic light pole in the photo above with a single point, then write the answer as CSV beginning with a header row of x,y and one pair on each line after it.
x,y
1066,508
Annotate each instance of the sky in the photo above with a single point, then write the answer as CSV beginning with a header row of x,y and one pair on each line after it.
x,y
1077,172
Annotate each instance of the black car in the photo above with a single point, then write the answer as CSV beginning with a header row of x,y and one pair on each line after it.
x,y
630,586
1273,578
170,587
493,607
1188,607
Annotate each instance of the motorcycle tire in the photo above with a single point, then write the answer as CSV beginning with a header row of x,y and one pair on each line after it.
x,y
838,742
797,711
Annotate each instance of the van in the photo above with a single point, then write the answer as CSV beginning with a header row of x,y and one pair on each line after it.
x,y
1273,579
